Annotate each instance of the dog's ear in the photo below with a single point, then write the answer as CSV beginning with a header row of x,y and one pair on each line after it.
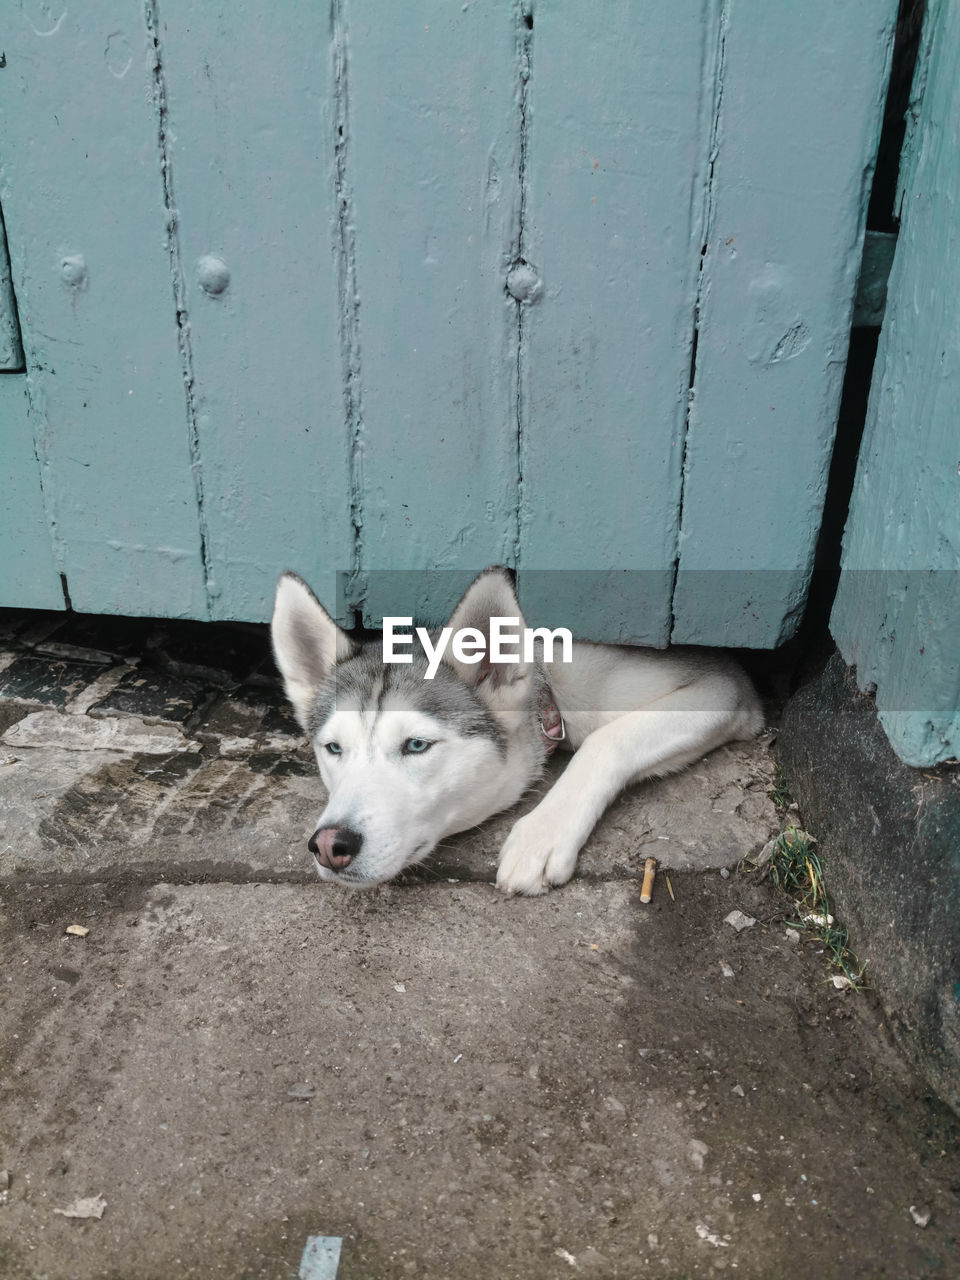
x,y
306,643
491,595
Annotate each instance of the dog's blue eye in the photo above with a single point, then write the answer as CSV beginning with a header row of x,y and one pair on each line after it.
x,y
334,748
415,746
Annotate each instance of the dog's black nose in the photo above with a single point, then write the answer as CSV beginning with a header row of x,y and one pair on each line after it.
x,y
335,847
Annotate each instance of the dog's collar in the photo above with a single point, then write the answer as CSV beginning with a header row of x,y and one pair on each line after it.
x,y
552,727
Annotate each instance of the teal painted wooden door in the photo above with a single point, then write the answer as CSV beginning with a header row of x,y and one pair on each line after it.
x,y
394,291
897,613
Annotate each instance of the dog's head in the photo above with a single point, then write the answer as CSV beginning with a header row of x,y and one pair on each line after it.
x,y
406,760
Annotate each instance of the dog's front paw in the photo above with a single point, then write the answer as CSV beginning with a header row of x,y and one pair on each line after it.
x,y
536,855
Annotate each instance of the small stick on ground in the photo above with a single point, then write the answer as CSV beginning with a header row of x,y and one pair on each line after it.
x,y
669,888
649,871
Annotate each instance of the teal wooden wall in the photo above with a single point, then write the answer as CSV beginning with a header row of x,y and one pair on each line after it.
x,y
373,287
897,612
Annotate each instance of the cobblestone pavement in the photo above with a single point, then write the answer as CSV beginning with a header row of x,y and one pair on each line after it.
x,y
148,748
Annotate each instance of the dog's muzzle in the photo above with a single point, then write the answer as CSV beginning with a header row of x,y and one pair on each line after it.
x,y
335,847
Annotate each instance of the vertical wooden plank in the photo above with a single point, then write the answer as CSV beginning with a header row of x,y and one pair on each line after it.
x,y
28,574
82,195
897,613
800,98
432,135
251,103
616,120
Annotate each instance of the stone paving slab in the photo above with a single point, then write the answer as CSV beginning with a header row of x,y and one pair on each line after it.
x,y
711,816
455,1083
103,814
127,736
153,695
48,680
84,796
247,711
89,797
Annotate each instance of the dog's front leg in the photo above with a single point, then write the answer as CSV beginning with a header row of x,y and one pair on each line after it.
x,y
542,848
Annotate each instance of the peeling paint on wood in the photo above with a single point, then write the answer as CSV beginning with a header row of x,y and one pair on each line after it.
x,y
80,179
897,612
615,164
799,107
434,136
252,114
420,287
28,574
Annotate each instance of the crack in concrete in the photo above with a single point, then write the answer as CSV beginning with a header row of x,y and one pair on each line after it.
x,y
210,871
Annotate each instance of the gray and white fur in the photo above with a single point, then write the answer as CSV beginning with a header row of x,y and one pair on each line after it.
x,y
408,761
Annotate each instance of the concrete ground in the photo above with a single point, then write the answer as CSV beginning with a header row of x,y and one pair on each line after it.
x,y
237,1057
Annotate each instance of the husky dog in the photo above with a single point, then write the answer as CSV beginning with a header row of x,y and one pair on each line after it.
x,y
408,761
